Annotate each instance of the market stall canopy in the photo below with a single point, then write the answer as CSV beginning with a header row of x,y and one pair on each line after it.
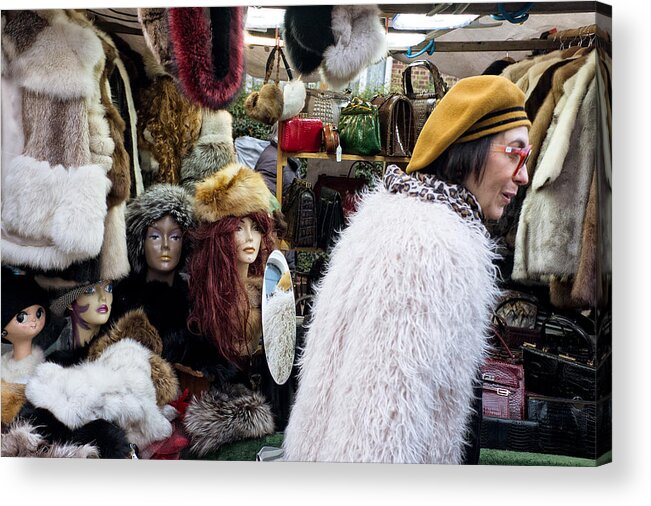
x,y
480,43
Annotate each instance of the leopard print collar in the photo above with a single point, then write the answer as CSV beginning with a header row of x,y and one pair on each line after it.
x,y
429,188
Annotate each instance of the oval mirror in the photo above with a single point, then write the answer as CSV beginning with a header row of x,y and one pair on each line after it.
x,y
278,317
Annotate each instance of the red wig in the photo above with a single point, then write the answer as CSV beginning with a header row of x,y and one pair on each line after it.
x,y
220,305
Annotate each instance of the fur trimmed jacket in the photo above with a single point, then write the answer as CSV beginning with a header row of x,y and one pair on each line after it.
x,y
399,331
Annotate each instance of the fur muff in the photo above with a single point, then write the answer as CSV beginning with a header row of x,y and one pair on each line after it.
x,y
360,41
213,150
22,440
116,387
235,190
224,416
155,29
36,218
53,55
266,105
209,53
158,201
308,32
135,325
398,333
294,95
168,126
13,399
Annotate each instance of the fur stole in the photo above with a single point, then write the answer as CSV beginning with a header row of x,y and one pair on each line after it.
x,y
23,440
116,387
114,257
360,41
209,53
398,332
13,399
226,415
19,371
308,32
253,287
213,150
155,29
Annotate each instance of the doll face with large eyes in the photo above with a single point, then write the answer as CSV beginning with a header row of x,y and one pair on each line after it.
x,y
94,304
25,325
163,244
248,237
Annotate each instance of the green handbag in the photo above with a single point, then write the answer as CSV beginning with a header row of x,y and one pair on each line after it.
x,y
359,128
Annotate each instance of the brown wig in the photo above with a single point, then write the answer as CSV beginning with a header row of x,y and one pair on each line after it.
x,y
460,160
174,124
220,308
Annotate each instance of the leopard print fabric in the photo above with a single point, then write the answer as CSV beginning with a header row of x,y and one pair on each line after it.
x,y
431,189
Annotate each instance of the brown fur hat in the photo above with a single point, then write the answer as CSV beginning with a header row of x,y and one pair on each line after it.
x,y
135,325
164,379
235,190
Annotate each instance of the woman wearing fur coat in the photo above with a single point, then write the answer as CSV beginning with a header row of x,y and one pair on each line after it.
x,y
400,320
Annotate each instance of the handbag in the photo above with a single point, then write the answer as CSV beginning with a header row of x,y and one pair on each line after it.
x,y
330,138
266,105
359,128
503,391
516,314
299,209
423,102
293,92
396,124
330,219
565,363
301,134
324,104
347,186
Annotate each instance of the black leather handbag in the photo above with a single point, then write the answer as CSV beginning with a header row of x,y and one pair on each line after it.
x,y
300,210
330,218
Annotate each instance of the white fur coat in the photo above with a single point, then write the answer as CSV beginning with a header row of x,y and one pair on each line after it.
x,y
116,387
398,335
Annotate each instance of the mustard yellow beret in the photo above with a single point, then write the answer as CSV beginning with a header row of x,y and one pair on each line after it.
x,y
473,108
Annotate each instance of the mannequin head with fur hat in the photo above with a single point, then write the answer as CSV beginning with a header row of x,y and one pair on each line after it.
x,y
23,311
232,243
157,221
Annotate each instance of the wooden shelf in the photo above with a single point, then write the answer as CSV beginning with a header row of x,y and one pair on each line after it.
x,y
371,158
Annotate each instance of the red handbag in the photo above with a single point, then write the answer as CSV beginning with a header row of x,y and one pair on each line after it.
x,y
503,392
301,134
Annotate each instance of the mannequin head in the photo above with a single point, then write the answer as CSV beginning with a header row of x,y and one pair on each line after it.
x,y
164,210
90,310
217,286
163,246
23,312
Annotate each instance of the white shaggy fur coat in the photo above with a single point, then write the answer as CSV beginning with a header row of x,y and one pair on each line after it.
x,y
398,334
116,387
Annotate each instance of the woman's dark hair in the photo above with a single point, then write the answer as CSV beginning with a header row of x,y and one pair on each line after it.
x,y
460,160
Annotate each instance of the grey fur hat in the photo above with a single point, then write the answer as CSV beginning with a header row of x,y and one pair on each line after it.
x,y
157,201
213,150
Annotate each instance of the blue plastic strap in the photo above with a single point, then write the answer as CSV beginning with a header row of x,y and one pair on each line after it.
x,y
430,48
516,17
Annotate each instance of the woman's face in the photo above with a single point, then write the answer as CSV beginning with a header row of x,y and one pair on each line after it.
x,y
99,299
500,182
26,324
248,237
163,244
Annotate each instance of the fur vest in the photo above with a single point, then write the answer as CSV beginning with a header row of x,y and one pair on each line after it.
x,y
548,239
59,177
399,331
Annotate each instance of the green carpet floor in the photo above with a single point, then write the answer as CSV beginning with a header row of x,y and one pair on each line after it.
x,y
246,451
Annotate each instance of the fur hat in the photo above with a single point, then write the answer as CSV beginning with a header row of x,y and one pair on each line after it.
x,y
235,190
475,107
159,200
360,41
66,296
224,416
22,439
209,53
307,34
19,291
213,150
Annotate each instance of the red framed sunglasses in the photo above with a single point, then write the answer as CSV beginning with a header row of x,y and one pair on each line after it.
x,y
522,154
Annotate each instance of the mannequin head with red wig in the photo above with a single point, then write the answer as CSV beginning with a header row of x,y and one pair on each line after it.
x,y
230,246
